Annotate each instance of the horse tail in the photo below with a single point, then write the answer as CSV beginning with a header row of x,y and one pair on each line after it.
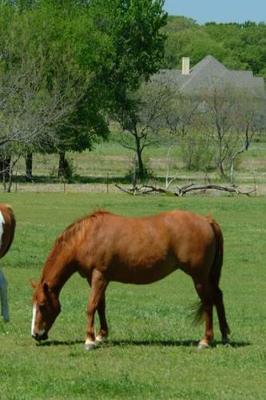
x,y
214,279
215,272
216,267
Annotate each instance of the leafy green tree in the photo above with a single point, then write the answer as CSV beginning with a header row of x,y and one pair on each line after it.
x,y
137,51
238,46
244,43
137,40
49,54
89,48
186,38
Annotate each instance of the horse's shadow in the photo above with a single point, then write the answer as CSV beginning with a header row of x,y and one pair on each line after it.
x,y
175,343
148,343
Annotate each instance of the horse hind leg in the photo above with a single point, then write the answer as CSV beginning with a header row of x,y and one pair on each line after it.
x,y
205,311
3,296
219,304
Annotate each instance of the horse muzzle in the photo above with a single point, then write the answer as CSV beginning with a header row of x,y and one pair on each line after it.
x,y
40,337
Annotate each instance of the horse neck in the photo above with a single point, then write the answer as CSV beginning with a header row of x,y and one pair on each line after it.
x,y
58,269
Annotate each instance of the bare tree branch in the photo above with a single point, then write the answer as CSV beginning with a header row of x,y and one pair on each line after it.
x,y
29,112
181,191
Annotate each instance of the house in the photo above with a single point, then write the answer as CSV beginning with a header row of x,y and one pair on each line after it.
x,y
209,73
210,79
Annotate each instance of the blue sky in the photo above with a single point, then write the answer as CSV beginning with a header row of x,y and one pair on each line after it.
x,y
218,10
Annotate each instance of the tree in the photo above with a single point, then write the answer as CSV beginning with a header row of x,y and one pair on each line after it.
x,y
48,90
144,120
180,119
91,49
237,46
193,42
231,116
137,41
136,53
248,123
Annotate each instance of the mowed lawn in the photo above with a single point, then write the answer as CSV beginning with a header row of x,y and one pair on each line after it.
x,y
151,352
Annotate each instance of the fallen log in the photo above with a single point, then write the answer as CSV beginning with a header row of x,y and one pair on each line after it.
x,y
182,190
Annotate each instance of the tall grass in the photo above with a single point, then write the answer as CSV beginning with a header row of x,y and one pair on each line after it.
x,y
150,353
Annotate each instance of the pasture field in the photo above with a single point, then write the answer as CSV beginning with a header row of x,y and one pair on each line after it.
x,y
151,352
110,161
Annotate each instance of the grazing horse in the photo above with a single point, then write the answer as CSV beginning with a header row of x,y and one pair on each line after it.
x,y
105,247
7,232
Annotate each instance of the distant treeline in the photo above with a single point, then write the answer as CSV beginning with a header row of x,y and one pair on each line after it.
x,y
237,46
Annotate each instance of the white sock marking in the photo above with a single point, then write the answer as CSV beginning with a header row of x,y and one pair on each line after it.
x,y
34,309
2,222
90,344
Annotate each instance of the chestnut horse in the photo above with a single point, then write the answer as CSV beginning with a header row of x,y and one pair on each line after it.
x,y
7,232
105,247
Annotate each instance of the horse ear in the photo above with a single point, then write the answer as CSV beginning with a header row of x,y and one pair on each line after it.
x,y
33,284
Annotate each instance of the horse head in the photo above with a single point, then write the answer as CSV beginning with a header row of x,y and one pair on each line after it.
x,y
46,307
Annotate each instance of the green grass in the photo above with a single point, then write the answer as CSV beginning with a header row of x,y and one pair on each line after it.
x,y
150,353
110,158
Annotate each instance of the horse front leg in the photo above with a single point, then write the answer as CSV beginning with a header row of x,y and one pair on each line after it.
x,y
103,332
3,296
96,299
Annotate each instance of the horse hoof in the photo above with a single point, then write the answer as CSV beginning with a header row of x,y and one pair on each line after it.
x,y
90,345
225,340
226,343
100,339
203,346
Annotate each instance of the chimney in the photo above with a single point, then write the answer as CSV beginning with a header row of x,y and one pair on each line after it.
x,y
185,65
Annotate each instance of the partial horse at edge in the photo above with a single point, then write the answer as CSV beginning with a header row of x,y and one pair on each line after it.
x,y
7,233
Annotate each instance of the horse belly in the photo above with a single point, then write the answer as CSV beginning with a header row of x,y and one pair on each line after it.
x,y
142,272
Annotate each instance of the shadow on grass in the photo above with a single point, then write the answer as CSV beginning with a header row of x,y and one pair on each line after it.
x,y
175,343
59,343
78,179
163,343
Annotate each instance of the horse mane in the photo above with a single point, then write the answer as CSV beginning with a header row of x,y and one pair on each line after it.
x,y
76,226
9,209
73,228
7,206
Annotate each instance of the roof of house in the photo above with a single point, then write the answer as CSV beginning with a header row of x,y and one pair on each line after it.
x,y
209,73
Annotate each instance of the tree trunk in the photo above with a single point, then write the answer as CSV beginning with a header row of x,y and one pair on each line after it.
x,y
5,170
63,164
232,169
28,163
221,168
141,169
10,181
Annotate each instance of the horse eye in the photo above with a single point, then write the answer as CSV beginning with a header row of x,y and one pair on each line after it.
x,y
42,306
